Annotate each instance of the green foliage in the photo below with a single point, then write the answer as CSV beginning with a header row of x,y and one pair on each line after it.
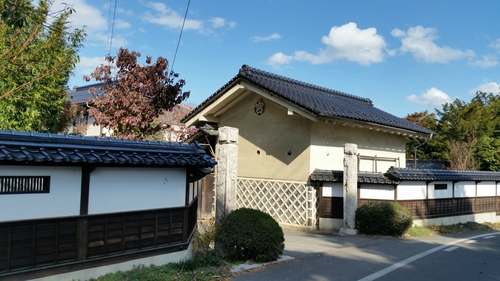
x,y
248,234
383,218
38,53
468,133
202,268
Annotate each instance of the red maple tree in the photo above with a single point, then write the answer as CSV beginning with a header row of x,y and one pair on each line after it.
x,y
135,95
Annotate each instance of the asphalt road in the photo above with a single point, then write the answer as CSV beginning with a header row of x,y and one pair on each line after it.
x,y
328,257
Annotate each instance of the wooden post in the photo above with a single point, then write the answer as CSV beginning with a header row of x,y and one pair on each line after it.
x,y
227,167
82,238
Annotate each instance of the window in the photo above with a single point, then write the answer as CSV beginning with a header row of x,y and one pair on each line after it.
x,y
440,186
22,184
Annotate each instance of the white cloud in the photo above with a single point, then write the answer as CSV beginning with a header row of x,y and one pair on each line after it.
x,y
433,96
221,22
87,65
85,15
122,24
279,58
273,36
163,15
488,87
419,41
169,18
347,42
486,62
495,45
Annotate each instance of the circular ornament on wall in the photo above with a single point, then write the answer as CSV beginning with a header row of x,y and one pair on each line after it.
x,y
260,107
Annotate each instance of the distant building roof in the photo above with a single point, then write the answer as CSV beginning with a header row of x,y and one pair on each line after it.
x,y
81,95
316,100
32,148
399,174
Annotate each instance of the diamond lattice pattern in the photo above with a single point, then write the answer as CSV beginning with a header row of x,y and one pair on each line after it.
x,y
288,202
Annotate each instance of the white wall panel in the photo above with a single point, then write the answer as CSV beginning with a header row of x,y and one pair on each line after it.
x,y
127,189
62,200
486,188
376,191
411,190
442,193
333,189
465,189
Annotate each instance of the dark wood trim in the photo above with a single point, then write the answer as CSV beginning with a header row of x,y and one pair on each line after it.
x,y
82,238
395,192
78,240
186,203
104,261
85,188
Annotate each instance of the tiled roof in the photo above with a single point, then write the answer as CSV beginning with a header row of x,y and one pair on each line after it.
x,y
49,148
81,95
401,174
338,176
319,101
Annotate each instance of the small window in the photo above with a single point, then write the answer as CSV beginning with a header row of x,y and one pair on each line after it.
x,y
440,186
22,184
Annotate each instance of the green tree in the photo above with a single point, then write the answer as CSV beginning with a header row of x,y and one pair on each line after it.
x,y
425,148
135,95
38,52
468,133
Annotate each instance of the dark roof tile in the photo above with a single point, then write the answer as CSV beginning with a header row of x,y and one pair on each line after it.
x,y
408,174
314,99
51,148
338,176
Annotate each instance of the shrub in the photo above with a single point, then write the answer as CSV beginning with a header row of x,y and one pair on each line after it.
x,y
248,234
383,218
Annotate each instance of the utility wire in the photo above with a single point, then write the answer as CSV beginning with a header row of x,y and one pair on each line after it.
x,y
180,36
112,29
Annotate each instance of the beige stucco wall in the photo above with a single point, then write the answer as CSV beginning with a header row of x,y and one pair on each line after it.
x,y
327,146
265,140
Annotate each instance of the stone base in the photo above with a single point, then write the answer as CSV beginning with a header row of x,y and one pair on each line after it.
x,y
348,231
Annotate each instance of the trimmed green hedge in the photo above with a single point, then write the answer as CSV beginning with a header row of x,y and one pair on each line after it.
x,y
383,218
248,234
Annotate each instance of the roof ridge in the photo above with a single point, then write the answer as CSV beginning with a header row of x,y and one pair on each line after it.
x,y
323,90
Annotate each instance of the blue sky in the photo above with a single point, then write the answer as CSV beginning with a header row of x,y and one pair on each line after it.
x,y
406,56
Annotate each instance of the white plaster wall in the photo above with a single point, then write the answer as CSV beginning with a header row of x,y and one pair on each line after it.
x,y
498,189
93,130
375,191
486,188
332,189
62,200
328,140
128,189
326,158
479,218
411,190
465,189
444,193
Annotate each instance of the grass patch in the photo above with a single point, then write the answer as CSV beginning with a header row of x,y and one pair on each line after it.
x,y
424,231
202,268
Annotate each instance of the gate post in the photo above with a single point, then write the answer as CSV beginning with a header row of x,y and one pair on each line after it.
x,y
227,167
350,189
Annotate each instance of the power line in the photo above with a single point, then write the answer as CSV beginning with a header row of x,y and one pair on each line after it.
x,y
180,36
112,28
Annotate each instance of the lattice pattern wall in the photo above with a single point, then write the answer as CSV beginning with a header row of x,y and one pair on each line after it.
x,y
288,202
